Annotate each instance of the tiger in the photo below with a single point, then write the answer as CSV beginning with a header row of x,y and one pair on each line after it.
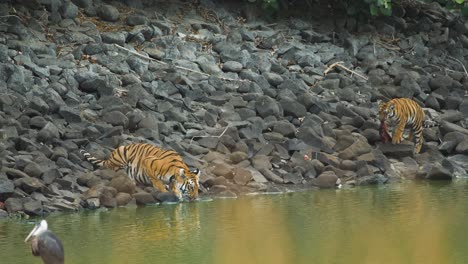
x,y
404,112
150,165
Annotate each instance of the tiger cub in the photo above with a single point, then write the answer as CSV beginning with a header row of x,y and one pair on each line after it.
x,y
402,112
150,165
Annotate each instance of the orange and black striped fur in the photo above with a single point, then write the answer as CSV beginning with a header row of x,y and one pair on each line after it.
x,y
404,112
149,165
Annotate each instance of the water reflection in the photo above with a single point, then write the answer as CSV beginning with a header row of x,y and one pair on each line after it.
x,y
407,223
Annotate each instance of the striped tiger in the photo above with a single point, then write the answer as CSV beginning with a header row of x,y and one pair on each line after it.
x,y
402,112
150,165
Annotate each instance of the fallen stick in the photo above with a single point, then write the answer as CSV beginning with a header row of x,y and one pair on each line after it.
x,y
178,67
224,131
466,72
339,64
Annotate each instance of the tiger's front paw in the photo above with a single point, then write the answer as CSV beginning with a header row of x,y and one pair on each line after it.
x,y
396,140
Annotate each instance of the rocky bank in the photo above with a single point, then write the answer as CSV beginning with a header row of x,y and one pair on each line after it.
x,y
253,103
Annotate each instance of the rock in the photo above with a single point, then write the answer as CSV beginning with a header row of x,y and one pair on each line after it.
x,y
224,170
143,198
49,176
107,201
266,106
167,197
284,128
122,199
238,156
13,205
293,108
397,150
114,38
6,188
134,20
33,208
108,13
437,172
69,114
3,214
30,184
116,118
359,147
326,179
294,178
69,10
372,179
123,184
271,176
242,176
260,162
232,66
93,203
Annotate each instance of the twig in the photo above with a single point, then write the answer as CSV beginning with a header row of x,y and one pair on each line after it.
x,y
450,57
11,16
339,64
178,67
224,131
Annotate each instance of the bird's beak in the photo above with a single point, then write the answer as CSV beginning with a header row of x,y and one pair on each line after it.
x,y
32,233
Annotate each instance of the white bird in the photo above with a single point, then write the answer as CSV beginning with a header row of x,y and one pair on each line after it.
x,y
45,244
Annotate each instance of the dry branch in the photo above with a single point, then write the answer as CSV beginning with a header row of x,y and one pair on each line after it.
x,y
339,64
457,60
224,131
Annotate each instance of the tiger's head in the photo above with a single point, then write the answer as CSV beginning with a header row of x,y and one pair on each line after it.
x,y
188,187
386,110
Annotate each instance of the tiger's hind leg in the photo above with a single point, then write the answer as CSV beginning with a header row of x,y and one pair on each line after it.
x,y
419,139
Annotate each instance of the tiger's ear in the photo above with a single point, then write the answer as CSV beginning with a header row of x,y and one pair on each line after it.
x,y
182,173
198,173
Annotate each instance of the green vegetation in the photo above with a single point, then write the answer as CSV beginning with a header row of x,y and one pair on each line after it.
x,y
370,7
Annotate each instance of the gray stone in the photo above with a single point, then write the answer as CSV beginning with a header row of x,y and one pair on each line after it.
x,y
438,172
143,198
116,118
359,147
69,10
271,176
122,198
260,162
294,178
108,13
242,176
13,205
232,66
3,214
238,156
397,150
167,197
114,38
123,184
224,170
34,170
134,20
6,187
71,115
31,184
284,128
33,208
267,106
326,179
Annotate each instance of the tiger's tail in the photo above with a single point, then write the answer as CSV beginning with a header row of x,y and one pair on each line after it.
x,y
95,161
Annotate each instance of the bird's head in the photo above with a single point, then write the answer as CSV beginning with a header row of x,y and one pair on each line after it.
x,y
37,230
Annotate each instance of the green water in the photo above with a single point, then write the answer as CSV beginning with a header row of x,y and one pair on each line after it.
x,y
404,223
